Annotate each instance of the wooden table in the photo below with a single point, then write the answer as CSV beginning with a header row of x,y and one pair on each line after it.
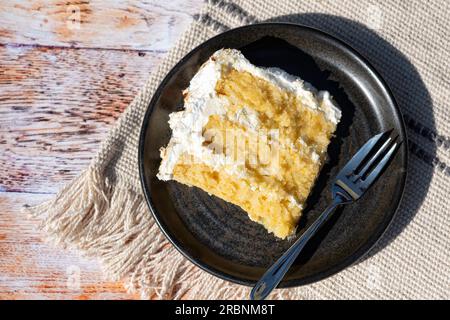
x,y
68,69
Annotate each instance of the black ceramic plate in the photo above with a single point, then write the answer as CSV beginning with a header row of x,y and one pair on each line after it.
x,y
218,236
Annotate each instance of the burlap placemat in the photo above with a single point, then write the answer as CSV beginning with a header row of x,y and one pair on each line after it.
x,y
103,213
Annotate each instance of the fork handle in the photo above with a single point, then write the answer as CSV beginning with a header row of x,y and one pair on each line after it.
x,y
275,274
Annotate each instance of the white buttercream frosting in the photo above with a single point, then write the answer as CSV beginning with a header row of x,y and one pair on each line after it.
x,y
202,101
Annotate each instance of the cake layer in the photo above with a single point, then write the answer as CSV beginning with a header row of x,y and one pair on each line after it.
x,y
266,160
276,108
277,213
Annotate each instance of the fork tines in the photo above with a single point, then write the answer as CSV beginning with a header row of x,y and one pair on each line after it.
x,y
368,163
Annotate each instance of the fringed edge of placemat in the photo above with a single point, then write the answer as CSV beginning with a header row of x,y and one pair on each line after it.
x,y
114,226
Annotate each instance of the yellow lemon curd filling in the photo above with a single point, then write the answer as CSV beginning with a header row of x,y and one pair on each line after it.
x,y
273,146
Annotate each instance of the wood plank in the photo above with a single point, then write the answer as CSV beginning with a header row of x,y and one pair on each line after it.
x,y
60,94
57,105
32,269
143,25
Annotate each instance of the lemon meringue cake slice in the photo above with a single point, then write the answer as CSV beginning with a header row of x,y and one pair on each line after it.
x,y
255,137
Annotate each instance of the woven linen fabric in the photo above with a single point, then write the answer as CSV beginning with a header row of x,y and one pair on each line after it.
x,y
103,213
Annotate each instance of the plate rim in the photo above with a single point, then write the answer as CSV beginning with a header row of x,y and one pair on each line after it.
x,y
348,261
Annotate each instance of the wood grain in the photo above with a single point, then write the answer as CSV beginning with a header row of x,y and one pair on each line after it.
x,y
144,25
68,69
30,268
56,107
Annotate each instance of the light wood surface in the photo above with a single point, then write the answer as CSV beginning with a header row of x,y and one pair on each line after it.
x,y
68,69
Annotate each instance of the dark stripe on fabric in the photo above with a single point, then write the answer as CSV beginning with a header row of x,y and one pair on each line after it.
x,y
210,22
234,9
428,158
431,135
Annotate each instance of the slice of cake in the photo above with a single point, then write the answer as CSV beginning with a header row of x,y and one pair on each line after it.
x,y
255,137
